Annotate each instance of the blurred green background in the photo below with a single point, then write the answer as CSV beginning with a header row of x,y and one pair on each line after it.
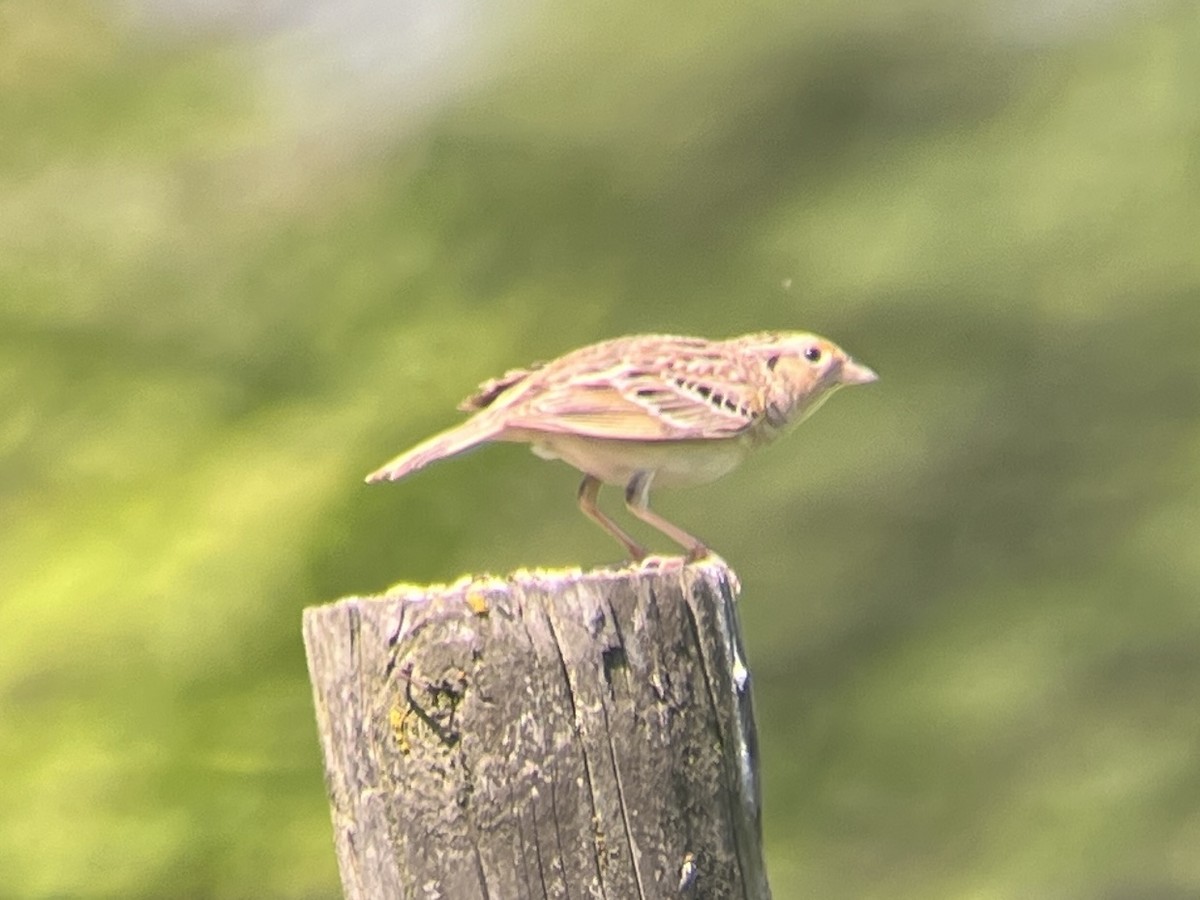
x,y
246,255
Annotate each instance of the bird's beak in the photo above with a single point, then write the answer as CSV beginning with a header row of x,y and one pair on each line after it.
x,y
856,373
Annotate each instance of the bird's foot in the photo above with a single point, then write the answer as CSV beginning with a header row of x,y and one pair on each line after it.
x,y
661,563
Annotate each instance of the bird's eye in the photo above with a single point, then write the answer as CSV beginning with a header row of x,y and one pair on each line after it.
x,y
772,362
813,354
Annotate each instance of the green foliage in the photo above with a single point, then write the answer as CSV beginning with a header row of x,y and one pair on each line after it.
x,y
970,591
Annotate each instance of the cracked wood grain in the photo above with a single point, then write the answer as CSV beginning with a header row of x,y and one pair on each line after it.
x,y
547,735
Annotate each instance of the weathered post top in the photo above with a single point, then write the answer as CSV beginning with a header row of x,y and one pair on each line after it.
x,y
549,734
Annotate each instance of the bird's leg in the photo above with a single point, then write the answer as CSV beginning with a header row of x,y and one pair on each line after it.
x,y
587,502
637,499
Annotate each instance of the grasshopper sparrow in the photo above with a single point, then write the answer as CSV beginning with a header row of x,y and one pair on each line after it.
x,y
649,410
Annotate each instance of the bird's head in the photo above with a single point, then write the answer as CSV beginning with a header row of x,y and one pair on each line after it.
x,y
805,370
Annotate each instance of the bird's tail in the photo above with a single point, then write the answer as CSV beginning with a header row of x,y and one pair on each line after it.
x,y
451,442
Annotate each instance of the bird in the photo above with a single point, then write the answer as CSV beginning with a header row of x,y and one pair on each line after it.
x,y
648,411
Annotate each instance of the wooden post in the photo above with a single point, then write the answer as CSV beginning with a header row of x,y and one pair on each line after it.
x,y
551,734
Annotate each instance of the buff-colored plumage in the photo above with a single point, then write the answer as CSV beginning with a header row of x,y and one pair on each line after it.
x,y
649,409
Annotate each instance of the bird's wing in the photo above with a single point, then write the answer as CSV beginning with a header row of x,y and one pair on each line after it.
x,y
641,403
488,392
